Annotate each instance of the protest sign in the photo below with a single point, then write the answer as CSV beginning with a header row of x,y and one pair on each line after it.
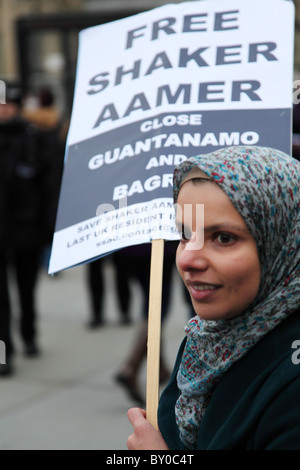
x,y
154,89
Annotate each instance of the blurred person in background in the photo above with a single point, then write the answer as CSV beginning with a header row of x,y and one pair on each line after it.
x,y
95,286
45,115
95,280
46,118
28,208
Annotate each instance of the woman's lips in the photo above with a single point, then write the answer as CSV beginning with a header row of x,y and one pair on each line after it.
x,y
201,290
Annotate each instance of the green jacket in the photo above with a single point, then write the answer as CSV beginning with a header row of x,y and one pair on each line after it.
x,y
255,406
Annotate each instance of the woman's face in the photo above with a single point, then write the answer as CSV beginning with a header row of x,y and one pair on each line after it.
x,y
223,276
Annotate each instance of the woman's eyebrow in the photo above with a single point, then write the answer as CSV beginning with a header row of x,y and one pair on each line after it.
x,y
216,227
225,226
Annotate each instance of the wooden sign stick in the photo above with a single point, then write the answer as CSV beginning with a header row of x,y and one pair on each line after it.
x,y
154,331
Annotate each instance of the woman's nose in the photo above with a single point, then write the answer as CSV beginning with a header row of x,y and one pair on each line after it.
x,y
191,258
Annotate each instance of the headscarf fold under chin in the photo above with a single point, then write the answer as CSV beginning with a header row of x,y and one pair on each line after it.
x,y
264,186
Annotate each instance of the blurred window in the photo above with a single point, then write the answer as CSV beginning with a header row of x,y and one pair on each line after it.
x,y
48,48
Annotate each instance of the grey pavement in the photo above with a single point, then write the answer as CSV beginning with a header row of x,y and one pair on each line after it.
x,y
66,399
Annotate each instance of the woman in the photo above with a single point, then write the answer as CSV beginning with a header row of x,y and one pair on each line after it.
x,y
234,384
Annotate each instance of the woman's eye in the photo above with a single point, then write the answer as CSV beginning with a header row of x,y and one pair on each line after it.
x,y
224,238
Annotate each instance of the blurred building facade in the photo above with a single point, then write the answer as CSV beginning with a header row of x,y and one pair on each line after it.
x,y
39,39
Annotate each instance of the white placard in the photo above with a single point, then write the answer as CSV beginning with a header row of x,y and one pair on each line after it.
x,y
154,89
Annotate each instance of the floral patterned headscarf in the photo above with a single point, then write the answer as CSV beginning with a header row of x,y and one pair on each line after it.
x,y
263,184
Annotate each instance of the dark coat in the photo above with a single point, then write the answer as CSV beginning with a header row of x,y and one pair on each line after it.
x,y
28,189
255,406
